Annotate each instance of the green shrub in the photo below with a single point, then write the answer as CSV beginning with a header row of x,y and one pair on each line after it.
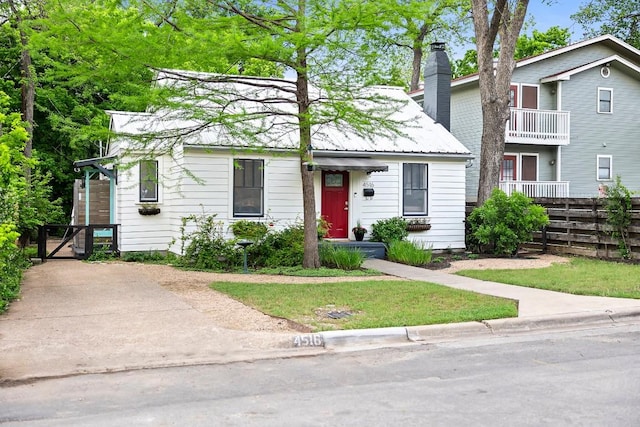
x,y
12,263
249,230
389,230
504,222
410,253
283,248
618,206
206,248
144,256
339,257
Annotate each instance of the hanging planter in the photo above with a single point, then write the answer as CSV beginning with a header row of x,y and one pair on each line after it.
x,y
418,225
149,210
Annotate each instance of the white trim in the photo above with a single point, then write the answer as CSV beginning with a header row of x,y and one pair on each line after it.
x,y
566,75
160,175
537,86
604,156
604,89
556,52
401,187
231,187
537,156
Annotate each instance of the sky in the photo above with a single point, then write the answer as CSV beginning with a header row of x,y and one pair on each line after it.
x,y
557,13
545,14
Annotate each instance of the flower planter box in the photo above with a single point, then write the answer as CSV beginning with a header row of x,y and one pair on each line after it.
x,y
148,211
418,227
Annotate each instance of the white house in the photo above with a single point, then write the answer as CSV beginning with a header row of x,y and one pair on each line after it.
x,y
417,175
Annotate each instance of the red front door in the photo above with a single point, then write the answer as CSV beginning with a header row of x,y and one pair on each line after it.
x,y
335,203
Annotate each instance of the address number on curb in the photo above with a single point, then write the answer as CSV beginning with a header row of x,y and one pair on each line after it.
x,y
310,340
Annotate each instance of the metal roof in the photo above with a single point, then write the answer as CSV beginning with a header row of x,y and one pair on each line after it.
x,y
263,105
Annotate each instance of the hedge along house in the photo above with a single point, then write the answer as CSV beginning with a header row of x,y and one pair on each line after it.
x,y
177,172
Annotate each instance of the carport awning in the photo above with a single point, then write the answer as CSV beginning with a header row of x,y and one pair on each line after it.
x,y
349,164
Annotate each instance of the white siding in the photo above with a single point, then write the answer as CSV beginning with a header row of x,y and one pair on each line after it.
x,y
446,201
182,195
140,232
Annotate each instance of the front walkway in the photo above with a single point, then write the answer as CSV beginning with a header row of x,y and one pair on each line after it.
x,y
532,302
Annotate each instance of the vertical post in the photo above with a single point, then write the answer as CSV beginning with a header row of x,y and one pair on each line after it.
x,y
86,197
112,202
88,241
245,270
42,243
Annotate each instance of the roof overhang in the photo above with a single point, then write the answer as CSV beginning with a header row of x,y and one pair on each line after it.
x,y
566,75
96,163
349,164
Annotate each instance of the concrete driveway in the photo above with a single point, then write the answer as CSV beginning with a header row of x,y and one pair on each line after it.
x,y
76,317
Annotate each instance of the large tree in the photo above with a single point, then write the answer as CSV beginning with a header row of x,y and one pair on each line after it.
x,y
498,21
413,24
539,42
618,17
319,43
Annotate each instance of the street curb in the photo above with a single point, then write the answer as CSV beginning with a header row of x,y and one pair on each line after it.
x,y
434,333
364,337
450,330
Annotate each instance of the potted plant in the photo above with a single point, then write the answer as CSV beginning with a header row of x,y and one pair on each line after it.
x,y
359,231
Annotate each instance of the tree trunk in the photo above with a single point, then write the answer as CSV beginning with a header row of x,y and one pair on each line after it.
x,y
494,81
28,84
28,94
311,258
416,67
492,150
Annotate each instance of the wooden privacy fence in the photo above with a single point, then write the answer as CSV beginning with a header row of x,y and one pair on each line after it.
x,y
578,226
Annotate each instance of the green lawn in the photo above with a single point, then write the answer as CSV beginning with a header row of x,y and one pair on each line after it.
x,y
375,303
580,276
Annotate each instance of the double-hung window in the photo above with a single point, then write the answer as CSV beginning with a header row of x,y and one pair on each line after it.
x,y
605,164
248,187
605,100
148,181
414,189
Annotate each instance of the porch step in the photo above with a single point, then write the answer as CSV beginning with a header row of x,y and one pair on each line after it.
x,y
369,249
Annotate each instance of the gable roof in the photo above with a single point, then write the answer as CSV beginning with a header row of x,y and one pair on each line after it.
x,y
270,101
608,40
566,74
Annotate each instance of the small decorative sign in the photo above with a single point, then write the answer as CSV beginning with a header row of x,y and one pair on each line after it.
x,y
309,340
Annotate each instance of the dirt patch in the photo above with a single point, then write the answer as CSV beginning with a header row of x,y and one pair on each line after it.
x,y
525,260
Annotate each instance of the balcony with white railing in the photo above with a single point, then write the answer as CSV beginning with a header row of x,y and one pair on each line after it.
x,y
541,127
537,188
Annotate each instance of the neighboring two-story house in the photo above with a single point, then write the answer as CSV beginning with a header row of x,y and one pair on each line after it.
x,y
573,124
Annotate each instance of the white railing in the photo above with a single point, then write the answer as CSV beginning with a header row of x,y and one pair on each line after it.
x,y
537,188
544,127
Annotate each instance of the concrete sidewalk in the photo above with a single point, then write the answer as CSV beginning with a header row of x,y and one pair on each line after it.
x,y
75,317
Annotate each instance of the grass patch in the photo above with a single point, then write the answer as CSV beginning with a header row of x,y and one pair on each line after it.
x,y
317,272
411,253
373,303
581,276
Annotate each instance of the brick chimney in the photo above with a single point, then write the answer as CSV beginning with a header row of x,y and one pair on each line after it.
x,y
437,85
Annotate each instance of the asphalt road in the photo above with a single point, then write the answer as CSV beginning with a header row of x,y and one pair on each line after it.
x,y
582,378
